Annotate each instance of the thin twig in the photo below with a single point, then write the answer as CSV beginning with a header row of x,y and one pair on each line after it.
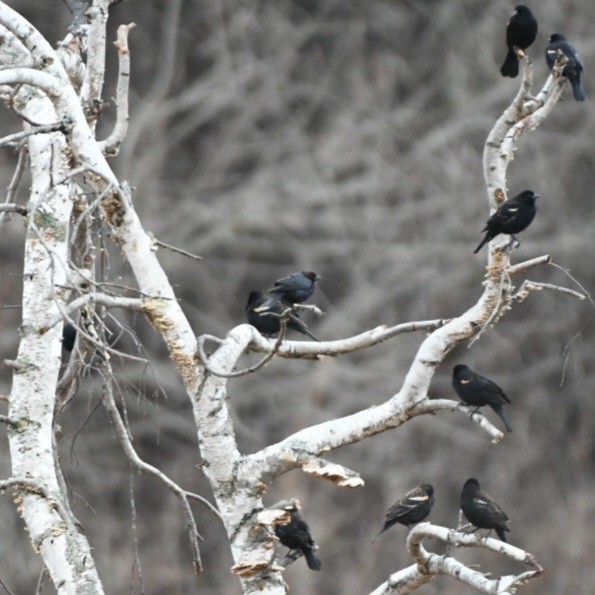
x,y
18,136
529,286
137,562
173,248
41,580
147,469
567,273
16,178
6,588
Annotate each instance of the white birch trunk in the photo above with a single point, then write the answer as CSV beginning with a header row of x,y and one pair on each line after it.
x,y
65,551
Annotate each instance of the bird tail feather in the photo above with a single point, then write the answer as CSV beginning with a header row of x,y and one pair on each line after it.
x,y
577,90
501,533
481,244
500,411
511,65
312,560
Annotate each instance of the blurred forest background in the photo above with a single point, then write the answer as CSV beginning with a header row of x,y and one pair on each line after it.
x,y
344,137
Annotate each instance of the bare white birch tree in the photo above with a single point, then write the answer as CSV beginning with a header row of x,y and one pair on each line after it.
x,y
57,94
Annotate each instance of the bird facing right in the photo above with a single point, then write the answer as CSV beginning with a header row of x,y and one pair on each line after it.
x,y
480,510
512,216
521,32
295,288
413,508
296,536
573,69
476,391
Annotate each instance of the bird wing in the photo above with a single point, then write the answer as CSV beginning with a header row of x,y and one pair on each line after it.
x,y
490,390
507,210
484,502
405,505
293,281
505,213
551,55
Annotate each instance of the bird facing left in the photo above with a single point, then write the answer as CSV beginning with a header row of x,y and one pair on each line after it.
x,y
296,536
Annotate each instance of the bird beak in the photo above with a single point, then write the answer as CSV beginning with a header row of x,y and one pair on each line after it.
x,y
318,278
537,196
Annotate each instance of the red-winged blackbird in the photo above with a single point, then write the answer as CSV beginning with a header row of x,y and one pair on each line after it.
x,y
296,288
573,69
512,216
296,536
413,508
68,336
521,33
477,390
264,313
480,510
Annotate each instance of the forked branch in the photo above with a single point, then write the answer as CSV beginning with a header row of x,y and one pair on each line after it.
x,y
429,565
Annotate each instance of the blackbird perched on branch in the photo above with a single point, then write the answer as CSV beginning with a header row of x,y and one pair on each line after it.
x,y
521,32
296,536
480,510
413,508
573,69
512,216
477,390
296,288
265,313
68,336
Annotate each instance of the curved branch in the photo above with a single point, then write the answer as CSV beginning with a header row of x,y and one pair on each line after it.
x,y
429,565
528,286
313,349
111,144
524,114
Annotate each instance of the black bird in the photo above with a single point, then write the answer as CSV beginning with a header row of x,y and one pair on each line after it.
x,y
573,69
296,288
480,510
263,314
521,32
68,336
296,536
512,216
477,390
413,508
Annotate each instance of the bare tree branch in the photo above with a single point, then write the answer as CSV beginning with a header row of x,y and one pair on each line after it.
x,y
528,286
111,145
428,565
18,136
521,267
12,208
95,298
147,469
